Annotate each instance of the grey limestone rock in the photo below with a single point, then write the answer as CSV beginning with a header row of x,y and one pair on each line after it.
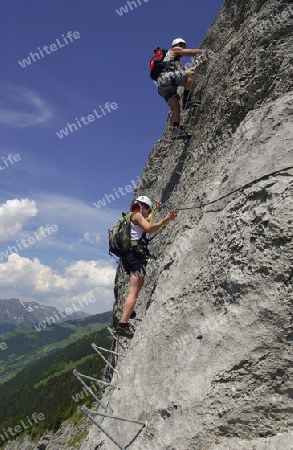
x,y
210,365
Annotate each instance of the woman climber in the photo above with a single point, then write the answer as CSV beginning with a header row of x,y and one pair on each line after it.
x,y
136,259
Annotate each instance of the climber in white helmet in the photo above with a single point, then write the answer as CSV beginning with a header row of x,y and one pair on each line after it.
x,y
136,260
174,75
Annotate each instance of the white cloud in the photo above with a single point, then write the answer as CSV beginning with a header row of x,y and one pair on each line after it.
x,y
81,227
25,107
104,299
91,238
30,279
76,272
14,214
41,278
90,273
74,214
61,261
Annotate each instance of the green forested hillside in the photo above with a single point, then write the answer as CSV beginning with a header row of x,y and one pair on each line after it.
x,y
27,345
48,387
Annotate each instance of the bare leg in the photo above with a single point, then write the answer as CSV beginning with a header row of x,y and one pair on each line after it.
x,y
188,83
175,108
175,104
136,283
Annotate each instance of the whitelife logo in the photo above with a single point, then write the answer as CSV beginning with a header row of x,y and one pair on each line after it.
x,y
3,346
84,393
88,119
9,160
53,47
124,9
11,432
110,197
30,241
68,311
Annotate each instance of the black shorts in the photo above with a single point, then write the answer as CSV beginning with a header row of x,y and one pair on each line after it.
x,y
135,262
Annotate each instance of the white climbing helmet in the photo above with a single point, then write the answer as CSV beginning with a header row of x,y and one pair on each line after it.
x,y
178,41
144,199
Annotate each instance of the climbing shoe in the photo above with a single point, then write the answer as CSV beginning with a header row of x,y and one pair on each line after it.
x,y
179,133
125,330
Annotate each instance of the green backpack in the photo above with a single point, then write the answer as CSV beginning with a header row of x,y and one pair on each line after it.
x,y
119,237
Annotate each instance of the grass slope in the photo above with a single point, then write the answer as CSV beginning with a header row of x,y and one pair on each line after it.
x,y
48,387
27,345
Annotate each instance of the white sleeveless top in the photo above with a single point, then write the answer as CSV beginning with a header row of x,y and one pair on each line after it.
x,y
136,232
172,62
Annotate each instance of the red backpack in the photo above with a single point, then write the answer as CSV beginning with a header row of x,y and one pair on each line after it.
x,y
156,63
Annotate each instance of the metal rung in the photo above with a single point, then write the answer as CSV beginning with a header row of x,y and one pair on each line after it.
x,y
116,338
109,351
96,348
79,376
124,419
112,333
88,413
94,379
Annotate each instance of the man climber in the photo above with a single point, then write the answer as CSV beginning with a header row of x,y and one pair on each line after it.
x,y
174,75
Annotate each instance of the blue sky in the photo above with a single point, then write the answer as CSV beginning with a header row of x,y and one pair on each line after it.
x,y
48,181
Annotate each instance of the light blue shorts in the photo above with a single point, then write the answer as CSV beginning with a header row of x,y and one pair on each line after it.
x,y
168,82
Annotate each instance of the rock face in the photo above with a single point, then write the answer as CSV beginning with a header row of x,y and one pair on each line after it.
x,y
210,365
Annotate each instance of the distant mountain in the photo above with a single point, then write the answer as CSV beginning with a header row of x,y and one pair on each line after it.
x,y
15,313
